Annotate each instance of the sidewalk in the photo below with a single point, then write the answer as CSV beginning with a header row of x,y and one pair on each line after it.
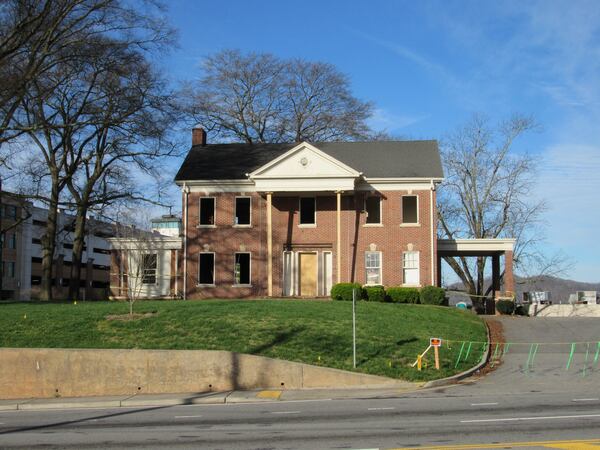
x,y
230,397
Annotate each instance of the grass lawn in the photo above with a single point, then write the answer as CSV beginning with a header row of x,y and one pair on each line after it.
x,y
389,336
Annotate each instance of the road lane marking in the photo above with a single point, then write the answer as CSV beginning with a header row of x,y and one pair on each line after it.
x,y
285,412
381,409
586,399
505,445
518,419
187,417
484,404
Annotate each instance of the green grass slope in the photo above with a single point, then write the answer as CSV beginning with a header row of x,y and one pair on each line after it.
x,y
389,336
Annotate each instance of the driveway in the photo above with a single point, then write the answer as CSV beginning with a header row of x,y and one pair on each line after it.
x,y
542,368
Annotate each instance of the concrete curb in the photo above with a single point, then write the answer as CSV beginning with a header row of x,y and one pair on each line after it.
x,y
467,373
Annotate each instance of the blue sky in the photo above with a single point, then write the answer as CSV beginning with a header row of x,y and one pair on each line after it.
x,y
428,66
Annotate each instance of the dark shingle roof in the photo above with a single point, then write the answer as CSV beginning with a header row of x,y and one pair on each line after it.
x,y
377,159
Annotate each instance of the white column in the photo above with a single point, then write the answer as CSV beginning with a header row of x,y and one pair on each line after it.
x,y
338,249
269,246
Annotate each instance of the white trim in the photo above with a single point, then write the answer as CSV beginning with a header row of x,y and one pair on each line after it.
x,y
380,269
304,145
214,269
433,266
249,270
242,225
409,224
380,223
207,225
145,243
499,244
306,225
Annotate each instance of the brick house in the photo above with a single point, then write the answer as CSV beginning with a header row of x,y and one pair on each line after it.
x,y
293,219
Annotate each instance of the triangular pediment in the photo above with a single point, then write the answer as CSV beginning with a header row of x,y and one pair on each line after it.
x,y
304,161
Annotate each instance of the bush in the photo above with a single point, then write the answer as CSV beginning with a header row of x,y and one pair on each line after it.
x,y
433,295
403,294
374,293
522,310
343,291
505,306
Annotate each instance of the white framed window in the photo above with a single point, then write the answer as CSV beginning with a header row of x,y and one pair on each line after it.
x,y
206,268
373,267
207,211
242,269
149,265
243,211
308,210
373,205
410,268
410,209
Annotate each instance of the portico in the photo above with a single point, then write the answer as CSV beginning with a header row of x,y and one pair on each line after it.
x,y
494,248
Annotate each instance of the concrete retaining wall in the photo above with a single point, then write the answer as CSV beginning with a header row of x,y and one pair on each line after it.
x,y
565,310
44,373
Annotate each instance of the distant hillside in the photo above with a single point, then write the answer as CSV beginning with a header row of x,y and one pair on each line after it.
x,y
559,288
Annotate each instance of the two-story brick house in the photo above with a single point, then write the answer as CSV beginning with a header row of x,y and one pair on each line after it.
x,y
293,219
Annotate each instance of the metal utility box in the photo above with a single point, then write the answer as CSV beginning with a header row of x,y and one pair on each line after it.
x,y
589,297
539,297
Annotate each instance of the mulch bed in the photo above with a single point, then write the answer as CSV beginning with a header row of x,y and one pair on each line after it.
x,y
496,335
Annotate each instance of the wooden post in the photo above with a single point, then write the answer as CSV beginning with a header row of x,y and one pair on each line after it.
x,y
419,362
338,249
269,246
436,351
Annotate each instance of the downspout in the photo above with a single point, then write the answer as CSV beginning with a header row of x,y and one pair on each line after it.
x,y
186,190
433,233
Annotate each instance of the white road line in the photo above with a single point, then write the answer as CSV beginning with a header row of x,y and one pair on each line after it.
x,y
586,399
483,404
285,412
517,419
380,409
186,417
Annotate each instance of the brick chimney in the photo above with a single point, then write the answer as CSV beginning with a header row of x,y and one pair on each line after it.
x,y
198,136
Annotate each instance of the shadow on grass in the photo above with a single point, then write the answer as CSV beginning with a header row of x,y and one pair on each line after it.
x,y
279,338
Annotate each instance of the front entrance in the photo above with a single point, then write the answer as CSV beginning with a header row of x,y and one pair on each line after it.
x,y
308,274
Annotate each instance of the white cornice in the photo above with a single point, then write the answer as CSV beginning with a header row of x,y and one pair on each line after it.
x,y
349,171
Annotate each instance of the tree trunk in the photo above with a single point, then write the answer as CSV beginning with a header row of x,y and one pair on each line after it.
x,y
48,241
78,243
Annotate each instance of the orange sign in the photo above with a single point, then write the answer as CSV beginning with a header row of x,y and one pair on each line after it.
x,y
435,342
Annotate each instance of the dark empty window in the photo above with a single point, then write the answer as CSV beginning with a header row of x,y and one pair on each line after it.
x,y
207,211
241,270
307,210
242,211
409,209
206,271
373,208
149,268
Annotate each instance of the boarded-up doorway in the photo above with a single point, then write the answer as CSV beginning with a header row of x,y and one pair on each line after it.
x,y
308,274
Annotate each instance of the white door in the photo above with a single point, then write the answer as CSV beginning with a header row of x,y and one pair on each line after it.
x,y
327,272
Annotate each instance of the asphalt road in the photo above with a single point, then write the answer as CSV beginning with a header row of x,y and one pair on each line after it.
x,y
535,403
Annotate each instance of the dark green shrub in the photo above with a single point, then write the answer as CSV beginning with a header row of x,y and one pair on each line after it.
x,y
505,306
400,294
374,293
343,291
522,310
433,295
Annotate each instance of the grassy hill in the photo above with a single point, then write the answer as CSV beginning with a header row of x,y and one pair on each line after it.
x,y
389,336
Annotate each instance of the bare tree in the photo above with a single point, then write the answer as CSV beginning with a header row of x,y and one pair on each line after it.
x,y
319,105
35,35
487,194
57,101
258,98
